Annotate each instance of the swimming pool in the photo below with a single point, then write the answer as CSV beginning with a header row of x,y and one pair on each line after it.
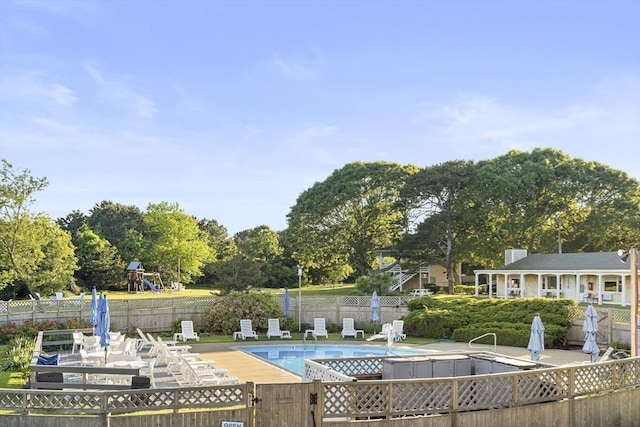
x,y
291,356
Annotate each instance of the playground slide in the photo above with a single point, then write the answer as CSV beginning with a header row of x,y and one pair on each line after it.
x,y
150,285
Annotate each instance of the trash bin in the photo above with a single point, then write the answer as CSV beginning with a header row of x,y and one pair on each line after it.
x,y
140,381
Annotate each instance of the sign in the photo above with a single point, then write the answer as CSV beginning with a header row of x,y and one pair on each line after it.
x,y
232,424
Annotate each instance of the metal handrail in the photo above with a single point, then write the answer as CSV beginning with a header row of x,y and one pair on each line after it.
x,y
495,340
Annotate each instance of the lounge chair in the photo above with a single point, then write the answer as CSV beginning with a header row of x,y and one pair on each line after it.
x,y
398,330
349,330
246,330
275,331
383,334
319,328
187,332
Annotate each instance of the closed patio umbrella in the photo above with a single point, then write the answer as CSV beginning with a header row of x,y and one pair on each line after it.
x,y
536,340
104,323
286,303
590,329
375,306
94,310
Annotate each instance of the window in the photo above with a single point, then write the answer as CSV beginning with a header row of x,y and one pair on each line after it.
x,y
611,284
550,283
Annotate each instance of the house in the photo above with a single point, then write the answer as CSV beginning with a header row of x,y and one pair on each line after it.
x,y
594,277
405,279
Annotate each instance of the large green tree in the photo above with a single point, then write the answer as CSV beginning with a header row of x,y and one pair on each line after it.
x,y
175,242
433,196
114,221
543,201
100,265
34,250
336,226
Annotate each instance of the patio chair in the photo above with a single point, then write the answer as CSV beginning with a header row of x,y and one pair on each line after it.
x,y
319,328
383,334
275,331
187,332
349,330
398,330
78,341
246,329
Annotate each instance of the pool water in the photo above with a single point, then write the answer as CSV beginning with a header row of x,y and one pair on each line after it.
x,y
291,357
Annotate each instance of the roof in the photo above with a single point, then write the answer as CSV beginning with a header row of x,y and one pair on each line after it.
x,y
135,265
570,261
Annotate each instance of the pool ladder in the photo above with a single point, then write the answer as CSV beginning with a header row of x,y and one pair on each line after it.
x,y
495,340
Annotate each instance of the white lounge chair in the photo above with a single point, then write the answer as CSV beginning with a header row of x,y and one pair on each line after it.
x,y
349,330
319,328
275,331
383,334
398,330
246,330
187,332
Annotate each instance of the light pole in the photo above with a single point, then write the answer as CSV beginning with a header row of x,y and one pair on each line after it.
x,y
299,298
632,255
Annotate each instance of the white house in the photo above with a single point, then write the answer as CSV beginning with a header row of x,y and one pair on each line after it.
x,y
595,276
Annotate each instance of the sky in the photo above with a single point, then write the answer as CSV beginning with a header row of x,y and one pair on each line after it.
x,y
232,109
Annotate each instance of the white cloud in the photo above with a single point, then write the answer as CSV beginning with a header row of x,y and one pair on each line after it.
x,y
117,90
296,68
82,12
34,88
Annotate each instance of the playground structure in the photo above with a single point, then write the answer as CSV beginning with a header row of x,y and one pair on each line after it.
x,y
137,279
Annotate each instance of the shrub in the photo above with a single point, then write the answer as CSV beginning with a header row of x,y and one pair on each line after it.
x,y
464,290
464,318
227,311
18,356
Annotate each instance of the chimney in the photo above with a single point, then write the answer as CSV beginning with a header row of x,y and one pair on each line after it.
x,y
513,255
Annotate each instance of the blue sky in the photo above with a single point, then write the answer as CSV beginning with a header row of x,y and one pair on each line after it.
x,y
234,108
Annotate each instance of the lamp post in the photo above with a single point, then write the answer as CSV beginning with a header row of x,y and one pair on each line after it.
x,y
299,298
632,255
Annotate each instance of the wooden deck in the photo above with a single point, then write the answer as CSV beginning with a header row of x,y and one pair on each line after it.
x,y
243,366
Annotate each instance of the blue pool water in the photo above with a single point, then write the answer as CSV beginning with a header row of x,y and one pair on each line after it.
x,y
291,356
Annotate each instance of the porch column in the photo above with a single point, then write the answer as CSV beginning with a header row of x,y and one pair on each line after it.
x,y
506,285
624,291
600,288
476,284
539,285
558,285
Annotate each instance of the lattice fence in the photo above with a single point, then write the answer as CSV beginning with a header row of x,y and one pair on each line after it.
x,y
401,398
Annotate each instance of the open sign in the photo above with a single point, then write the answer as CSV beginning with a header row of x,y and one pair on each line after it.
x,y
232,424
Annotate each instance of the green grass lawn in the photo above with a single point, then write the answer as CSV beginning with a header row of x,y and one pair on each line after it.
x,y
202,291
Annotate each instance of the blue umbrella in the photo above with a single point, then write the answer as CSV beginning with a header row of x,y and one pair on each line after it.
x,y
590,329
286,303
104,323
375,306
94,309
536,340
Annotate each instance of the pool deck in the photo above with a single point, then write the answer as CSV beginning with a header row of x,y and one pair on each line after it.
x,y
249,368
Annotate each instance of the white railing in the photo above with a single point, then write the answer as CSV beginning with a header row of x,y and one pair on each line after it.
x,y
495,340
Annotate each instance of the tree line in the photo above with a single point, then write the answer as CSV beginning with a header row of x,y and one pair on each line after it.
x,y
456,211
